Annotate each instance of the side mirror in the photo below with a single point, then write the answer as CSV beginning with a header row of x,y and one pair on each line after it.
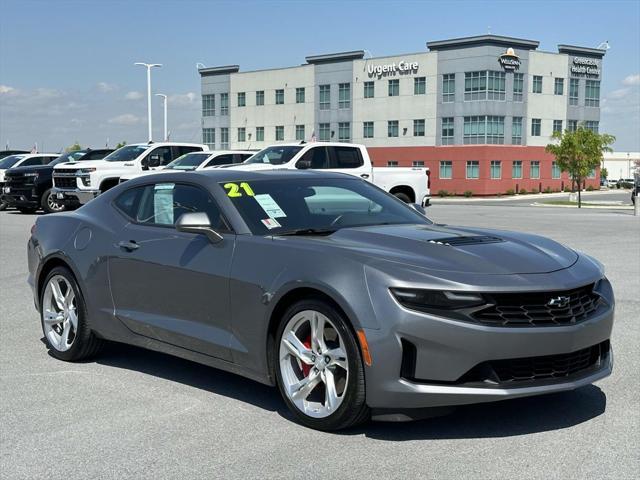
x,y
418,208
198,222
145,163
154,161
303,164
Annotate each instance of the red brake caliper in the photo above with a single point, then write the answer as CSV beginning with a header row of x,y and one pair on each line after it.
x,y
306,368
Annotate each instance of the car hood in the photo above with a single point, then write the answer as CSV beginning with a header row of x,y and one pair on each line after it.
x,y
455,249
101,164
32,168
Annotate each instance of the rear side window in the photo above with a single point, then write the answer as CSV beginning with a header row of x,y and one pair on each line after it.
x,y
221,160
34,161
240,157
347,157
186,149
129,201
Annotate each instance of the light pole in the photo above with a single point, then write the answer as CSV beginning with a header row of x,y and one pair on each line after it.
x,y
164,101
149,67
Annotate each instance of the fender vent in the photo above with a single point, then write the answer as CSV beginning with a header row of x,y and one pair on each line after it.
x,y
472,240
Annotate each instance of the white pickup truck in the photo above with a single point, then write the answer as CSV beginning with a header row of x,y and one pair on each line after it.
x,y
409,184
76,184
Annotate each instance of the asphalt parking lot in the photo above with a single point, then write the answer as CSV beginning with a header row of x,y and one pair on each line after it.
x,y
137,414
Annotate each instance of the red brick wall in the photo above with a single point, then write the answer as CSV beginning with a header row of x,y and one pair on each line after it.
x,y
459,154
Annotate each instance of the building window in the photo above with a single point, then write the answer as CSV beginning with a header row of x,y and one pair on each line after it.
x,y
475,85
392,128
419,85
555,170
592,173
574,85
495,130
537,84
591,125
518,86
534,169
208,105
473,169
474,129
300,95
224,138
572,125
242,134
558,86
496,169
448,87
279,96
367,129
299,132
344,132
224,104
392,163
592,93
516,169
344,95
417,163
557,126
242,99
209,137
279,133
394,87
325,97
260,97
496,85
368,90
447,131
324,132
516,131
418,128
259,134
536,125
446,169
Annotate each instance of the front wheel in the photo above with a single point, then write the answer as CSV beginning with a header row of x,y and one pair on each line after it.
x,y
3,205
49,203
319,368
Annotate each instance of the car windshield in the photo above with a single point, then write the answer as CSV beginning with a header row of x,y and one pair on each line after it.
x,y
10,161
276,155
68,157
189,161
126,153
315,206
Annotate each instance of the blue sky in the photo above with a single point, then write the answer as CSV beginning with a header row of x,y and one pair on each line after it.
x,y
67,74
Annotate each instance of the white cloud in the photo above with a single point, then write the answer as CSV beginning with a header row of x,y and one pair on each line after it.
x,y
620,93
105,87
7,90
125,119
133,96
632,79
182,99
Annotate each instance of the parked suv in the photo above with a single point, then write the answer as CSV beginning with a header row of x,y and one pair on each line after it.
x,y
6,153
26,159
29,188
75,185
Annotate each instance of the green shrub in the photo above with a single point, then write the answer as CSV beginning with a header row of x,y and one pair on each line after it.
x,y
534,190
590,188
443,193
523,191
468,194
511,192
547,190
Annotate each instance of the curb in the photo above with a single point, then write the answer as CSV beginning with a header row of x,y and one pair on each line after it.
x,y
601,207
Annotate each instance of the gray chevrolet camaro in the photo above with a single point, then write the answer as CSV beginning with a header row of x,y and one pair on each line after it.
x,y
351,302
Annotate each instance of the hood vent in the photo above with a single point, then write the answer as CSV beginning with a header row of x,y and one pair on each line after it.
x,y
463,240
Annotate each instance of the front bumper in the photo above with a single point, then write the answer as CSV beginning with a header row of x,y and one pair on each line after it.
x,y
426,201
76,197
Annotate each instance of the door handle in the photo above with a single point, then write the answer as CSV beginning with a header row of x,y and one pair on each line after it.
x,y
365,175
129,246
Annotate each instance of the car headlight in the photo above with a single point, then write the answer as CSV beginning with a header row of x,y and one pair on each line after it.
x,y
32,175
429,300
87,170
86,181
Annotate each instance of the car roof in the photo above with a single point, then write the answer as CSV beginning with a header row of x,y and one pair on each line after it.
x,y
307,144
160,144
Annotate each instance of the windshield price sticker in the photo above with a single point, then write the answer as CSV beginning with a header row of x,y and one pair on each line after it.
x,y
238,190
271,223
269,205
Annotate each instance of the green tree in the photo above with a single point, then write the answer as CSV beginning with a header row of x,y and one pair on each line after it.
x,y
604,173
121,144
74,148
579,152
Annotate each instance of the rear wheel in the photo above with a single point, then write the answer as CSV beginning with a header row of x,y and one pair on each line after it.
x,y
63,315
319,369
402,196
49,203
3,205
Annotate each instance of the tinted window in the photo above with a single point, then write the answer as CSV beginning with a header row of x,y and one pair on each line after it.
x,y
164,154
221,160
347,157
126,153
95,155
129,201
318,158
34,161
184,149
10,161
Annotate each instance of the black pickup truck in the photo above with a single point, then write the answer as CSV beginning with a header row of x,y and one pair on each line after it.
x,y
29,188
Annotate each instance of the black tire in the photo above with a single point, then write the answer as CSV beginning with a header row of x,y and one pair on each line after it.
x,y
46,203
28,210
402,196
85,344
3,205
353,409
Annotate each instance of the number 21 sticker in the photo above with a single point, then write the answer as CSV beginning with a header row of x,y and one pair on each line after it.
x,y
236,190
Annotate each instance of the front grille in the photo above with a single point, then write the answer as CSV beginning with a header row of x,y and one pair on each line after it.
x,y
65,182
547,367
538,308
16,181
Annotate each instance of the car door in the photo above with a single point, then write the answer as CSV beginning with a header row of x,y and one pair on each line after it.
x,y
158,157
168,285
346,159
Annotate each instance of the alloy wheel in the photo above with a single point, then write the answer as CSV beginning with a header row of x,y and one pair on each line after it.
x,y
53,205
59,313
313,364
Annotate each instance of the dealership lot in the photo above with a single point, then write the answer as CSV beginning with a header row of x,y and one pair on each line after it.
x,y
146,415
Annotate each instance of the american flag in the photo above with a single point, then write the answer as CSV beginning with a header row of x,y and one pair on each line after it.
x,y
313,136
